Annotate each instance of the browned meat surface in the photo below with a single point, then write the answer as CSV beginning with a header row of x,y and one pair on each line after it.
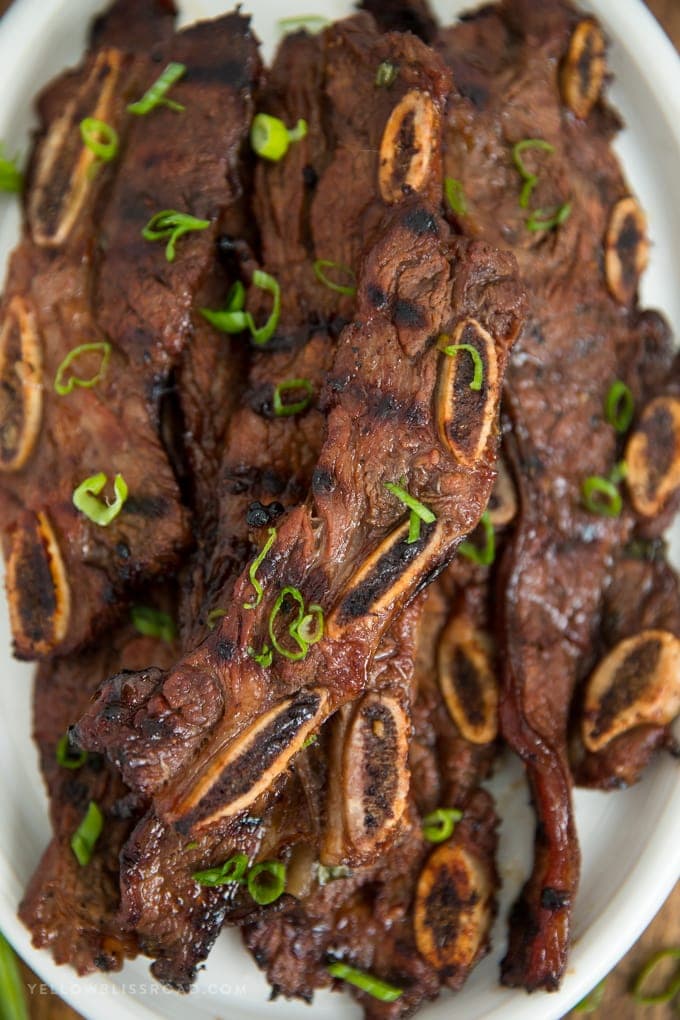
x,y
379,918
73,909
642,594
269,458
583,333
481,287
367,920
84,273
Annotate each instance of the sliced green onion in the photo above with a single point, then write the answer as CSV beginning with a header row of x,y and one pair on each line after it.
x,y
593,1000
311,22
376,987
213,616
233,320
601,496
311,739
439,824
192,846
478,373
386,75
11,178
282,410
66,756
530,180
100,138
270,138
619,406
311,627
12,995
171,224
266,881
541,219
331,874
487,554
153,623
231,871
255,566
320,265
156,94
263,658
85,498
618,472
86,835
302,645
65,386
455,195
419,512
268,283
666,994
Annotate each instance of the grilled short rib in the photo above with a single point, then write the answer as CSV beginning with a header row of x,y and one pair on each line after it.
x,y
82,237
73,909
528,73
414,285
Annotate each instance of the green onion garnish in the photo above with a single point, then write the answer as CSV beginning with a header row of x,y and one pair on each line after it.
x,y
340,288
86,835
156,94
234,320
530,180
153,623
268,283
170,224
282,410
12,995
255,566
386,75
266,881
302,644
419,512
619,406
263,658
66,756
439,824
270,138
85,498
541,219
670,991
376,987
311,739
65,386
232,870
478,373
593,1000
311,22
601,496
213,616
11,178
100,138
487,554
455,195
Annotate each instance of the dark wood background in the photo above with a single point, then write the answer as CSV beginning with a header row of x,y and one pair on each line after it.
x,y
663,931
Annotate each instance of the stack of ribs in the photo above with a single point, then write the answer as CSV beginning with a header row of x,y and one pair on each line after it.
x,y
453,541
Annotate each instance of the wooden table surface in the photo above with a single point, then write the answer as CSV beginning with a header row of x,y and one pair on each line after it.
x,y
663,931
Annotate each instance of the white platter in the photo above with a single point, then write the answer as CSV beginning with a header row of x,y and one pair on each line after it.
x,y
630,841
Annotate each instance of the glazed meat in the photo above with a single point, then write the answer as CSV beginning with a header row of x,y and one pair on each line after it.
x,y
69,907
478,283
83,237
583,303
388,918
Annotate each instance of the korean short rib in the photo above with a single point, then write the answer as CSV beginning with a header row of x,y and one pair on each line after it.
x,y
71,909
84,274
414,285
517,67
